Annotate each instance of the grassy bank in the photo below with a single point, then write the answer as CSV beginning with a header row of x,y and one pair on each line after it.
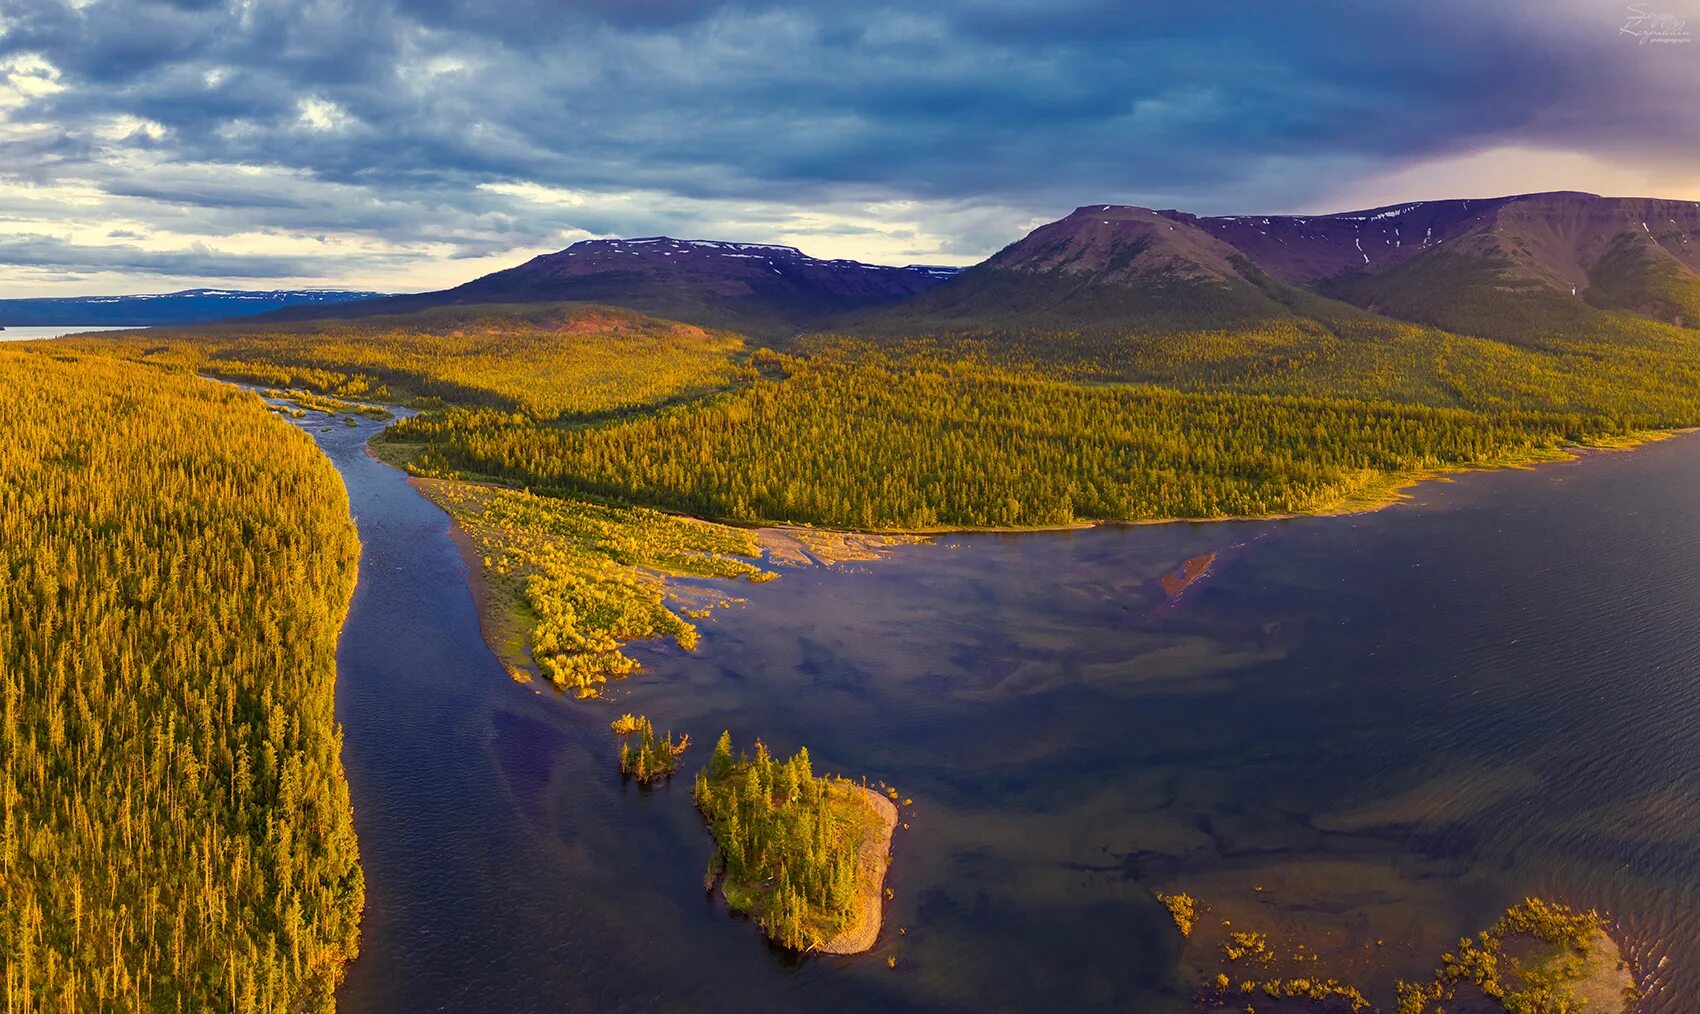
x,y
1538,956
563,584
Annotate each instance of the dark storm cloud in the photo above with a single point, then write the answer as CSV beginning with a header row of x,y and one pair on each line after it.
x,y
211,195
408,105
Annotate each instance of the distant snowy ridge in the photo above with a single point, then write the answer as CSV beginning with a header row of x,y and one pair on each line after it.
x,y
186,306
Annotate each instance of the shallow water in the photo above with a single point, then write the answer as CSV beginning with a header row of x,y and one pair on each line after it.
x,y
1395,724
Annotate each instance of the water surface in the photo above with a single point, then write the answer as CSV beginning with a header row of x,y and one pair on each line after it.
x,y
1395,724
25,334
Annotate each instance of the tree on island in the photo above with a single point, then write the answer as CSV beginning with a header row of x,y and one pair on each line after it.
x,y
642,755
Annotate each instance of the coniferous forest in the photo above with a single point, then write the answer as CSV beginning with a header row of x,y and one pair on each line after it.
x,y
174,569
919,443
545,360
1003,429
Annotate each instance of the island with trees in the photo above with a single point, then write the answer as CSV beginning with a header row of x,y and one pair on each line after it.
x,y
645,757
805,855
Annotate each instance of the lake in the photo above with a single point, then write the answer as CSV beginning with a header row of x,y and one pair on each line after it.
x,y
25,334
1372,732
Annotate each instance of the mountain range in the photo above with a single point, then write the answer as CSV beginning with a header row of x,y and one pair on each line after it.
x,y
1514,268
190,306
1521,269
1510,268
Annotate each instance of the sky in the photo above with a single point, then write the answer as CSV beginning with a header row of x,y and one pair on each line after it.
x,y
403,145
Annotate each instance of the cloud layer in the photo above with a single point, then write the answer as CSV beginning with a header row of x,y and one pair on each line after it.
x,y
412,143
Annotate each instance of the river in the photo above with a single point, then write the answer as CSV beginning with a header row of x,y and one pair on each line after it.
x,y
1390,726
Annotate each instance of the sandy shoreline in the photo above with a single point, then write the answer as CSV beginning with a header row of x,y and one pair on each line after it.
x,y
873,860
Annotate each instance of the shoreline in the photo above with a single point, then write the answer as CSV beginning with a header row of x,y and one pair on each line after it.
x,y
873,861
502,627
1379,497
1394,489
1397,492
1387,491
497,624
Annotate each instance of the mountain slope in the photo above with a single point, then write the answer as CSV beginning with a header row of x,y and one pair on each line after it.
x,y
1305,249
1438,303
1103,267
760,289
1523,268
1529,269
190,306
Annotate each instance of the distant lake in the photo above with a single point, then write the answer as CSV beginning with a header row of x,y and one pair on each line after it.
x,y
1395,725
24,334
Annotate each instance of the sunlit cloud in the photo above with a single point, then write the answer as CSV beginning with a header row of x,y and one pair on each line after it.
x,y
125,126
320,114
26,77
536,193
1516,170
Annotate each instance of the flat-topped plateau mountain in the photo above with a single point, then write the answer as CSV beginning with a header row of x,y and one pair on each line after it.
x,y
761,289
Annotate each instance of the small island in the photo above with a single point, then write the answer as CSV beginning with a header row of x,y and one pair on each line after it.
x,y
643,757
806,856
1538,956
